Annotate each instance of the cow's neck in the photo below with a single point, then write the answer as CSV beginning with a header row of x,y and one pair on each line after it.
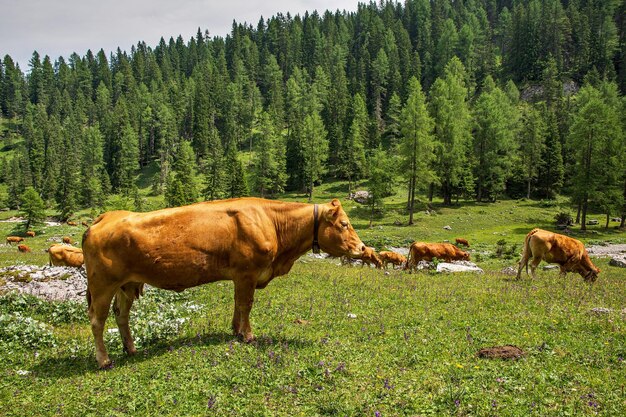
x,y
294,228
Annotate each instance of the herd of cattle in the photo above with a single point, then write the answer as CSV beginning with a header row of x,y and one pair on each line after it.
x,y
249,241
60,254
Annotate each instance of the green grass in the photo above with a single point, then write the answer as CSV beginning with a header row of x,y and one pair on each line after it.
x,y
411,350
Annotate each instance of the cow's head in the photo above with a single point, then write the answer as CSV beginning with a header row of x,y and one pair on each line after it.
x,y
371,255
337,237
587,269
465,255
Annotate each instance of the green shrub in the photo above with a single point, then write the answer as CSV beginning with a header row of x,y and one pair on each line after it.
x,y
17,332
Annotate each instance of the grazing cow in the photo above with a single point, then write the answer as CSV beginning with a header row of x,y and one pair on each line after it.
x,y
394,258
569,253
421,251
248,241
67,239
30,233
63,255
370,257
23,248
70,223
461,241
14,239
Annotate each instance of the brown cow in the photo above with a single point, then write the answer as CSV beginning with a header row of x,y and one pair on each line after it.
x,y
394,258
14,239
370,257
70,223
421,251
248,241
30,233
63,255
569,253
461,241
23,248
67,239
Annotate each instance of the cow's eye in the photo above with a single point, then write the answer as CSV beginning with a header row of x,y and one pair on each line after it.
x,y
344,224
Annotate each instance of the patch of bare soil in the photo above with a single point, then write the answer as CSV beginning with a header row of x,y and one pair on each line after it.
x,y
501,352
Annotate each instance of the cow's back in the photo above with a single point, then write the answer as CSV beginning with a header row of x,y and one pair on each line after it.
x,y
181,247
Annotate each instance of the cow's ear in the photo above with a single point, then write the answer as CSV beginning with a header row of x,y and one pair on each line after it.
x,y
332,210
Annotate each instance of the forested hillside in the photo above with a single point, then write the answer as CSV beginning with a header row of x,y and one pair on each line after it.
x,y
475,99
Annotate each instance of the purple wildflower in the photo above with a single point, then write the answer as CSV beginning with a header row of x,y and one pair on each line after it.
x,y
377,414
457,402
211,402
340,367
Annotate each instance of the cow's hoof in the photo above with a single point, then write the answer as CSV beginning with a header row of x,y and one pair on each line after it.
x,y
130,352
106,365
249,338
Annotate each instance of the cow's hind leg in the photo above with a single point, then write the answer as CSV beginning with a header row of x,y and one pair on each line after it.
x,y
244,298
123,302
534,263
99,302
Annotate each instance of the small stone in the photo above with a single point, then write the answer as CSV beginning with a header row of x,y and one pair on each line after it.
x,y
351,316
447,227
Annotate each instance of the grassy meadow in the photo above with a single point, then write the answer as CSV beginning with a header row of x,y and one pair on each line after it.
x,y
335,340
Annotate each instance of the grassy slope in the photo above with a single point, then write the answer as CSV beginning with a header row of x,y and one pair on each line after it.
x,y
409,351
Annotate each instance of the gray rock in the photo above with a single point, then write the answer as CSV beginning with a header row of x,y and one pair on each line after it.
x,y
592,221
462,266
361,196
600,310
618,261
509,270
550,267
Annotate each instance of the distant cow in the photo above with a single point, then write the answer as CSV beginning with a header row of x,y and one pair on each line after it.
x,y
67,239
63,255
14,239
461,241
394,258
23,248
71,223
370,257
30,233
421,251
569,253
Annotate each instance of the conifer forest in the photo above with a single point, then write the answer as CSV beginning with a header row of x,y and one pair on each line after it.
x,y
452,100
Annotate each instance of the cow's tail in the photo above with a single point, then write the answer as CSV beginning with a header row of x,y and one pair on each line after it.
x,y
525,253
407,265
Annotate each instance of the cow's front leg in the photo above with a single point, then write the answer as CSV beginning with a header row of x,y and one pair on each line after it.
x,y
244,298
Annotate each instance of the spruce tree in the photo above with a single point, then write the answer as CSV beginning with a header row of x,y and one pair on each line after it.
x,y
417,143
32,207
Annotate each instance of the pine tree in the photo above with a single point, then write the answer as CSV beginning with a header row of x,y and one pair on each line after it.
x,y
493,140
594,134
417,143
234,178
213,167
314,148
352,150
450,111
181,179
32,207
382,173
270,176
531,136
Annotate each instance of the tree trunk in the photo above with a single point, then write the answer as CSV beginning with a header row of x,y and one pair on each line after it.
x,y
623,222
411,199
583,225
606,226
578,212
528,190
431,191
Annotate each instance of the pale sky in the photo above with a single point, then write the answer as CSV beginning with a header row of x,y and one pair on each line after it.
x,y
60,27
